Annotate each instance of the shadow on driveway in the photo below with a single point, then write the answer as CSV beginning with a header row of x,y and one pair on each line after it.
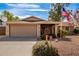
x,y
6,38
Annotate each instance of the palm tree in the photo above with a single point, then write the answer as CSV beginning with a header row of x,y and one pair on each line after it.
x,y
8,15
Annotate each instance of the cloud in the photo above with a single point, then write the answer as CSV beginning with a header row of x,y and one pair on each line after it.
x,y
23,9
24,16
26,10
27,7
36,10
19,11
24,5
23,13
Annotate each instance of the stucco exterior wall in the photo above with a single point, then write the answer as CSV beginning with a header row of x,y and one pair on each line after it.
x,y
38,30
7,30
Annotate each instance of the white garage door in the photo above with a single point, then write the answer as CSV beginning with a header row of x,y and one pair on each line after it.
x,y
27,30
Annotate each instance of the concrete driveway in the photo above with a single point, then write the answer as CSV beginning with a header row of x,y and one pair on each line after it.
x,y
19,47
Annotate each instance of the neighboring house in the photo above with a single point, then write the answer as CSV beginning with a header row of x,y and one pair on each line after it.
x,y
2,28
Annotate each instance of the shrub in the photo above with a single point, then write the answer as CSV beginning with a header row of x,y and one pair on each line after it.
x,y
42,37
62,33
54,36
76,31
44,48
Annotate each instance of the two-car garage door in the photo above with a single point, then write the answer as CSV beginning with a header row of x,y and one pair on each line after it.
x,y
27,30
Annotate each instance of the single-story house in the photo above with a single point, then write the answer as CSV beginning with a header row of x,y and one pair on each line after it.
x,y
33,27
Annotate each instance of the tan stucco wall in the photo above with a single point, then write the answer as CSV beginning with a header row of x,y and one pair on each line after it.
x,y
7,30
28,30
38,30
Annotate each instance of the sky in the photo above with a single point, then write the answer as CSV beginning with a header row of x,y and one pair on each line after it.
x,y
73,7
25,10
32,9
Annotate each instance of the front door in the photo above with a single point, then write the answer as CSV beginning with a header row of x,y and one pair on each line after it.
x,y
46,29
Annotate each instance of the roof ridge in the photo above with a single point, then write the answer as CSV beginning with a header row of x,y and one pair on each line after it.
x,y
37,19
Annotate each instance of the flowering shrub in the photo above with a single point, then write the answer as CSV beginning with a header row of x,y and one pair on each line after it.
x,y
44,48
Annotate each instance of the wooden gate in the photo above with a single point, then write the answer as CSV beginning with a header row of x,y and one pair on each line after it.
x,y
2,30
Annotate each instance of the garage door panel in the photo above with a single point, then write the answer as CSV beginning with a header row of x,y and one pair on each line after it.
x,y
23,30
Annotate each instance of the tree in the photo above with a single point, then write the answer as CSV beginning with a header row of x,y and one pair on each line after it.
x,y
16,18
0,16
0,22
8,15
55,12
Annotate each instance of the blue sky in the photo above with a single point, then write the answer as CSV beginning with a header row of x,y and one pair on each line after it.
x,y
29,9
73,7
32,9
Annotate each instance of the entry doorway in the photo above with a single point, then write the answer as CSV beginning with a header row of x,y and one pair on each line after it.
x,y
47,29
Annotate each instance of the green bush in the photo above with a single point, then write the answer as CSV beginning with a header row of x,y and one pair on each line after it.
x,y
44,48
62,33
76,31
42,37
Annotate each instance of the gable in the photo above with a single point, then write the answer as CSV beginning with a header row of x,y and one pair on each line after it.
x,y
33,19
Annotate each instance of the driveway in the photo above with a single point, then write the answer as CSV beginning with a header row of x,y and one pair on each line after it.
x,y
16,46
